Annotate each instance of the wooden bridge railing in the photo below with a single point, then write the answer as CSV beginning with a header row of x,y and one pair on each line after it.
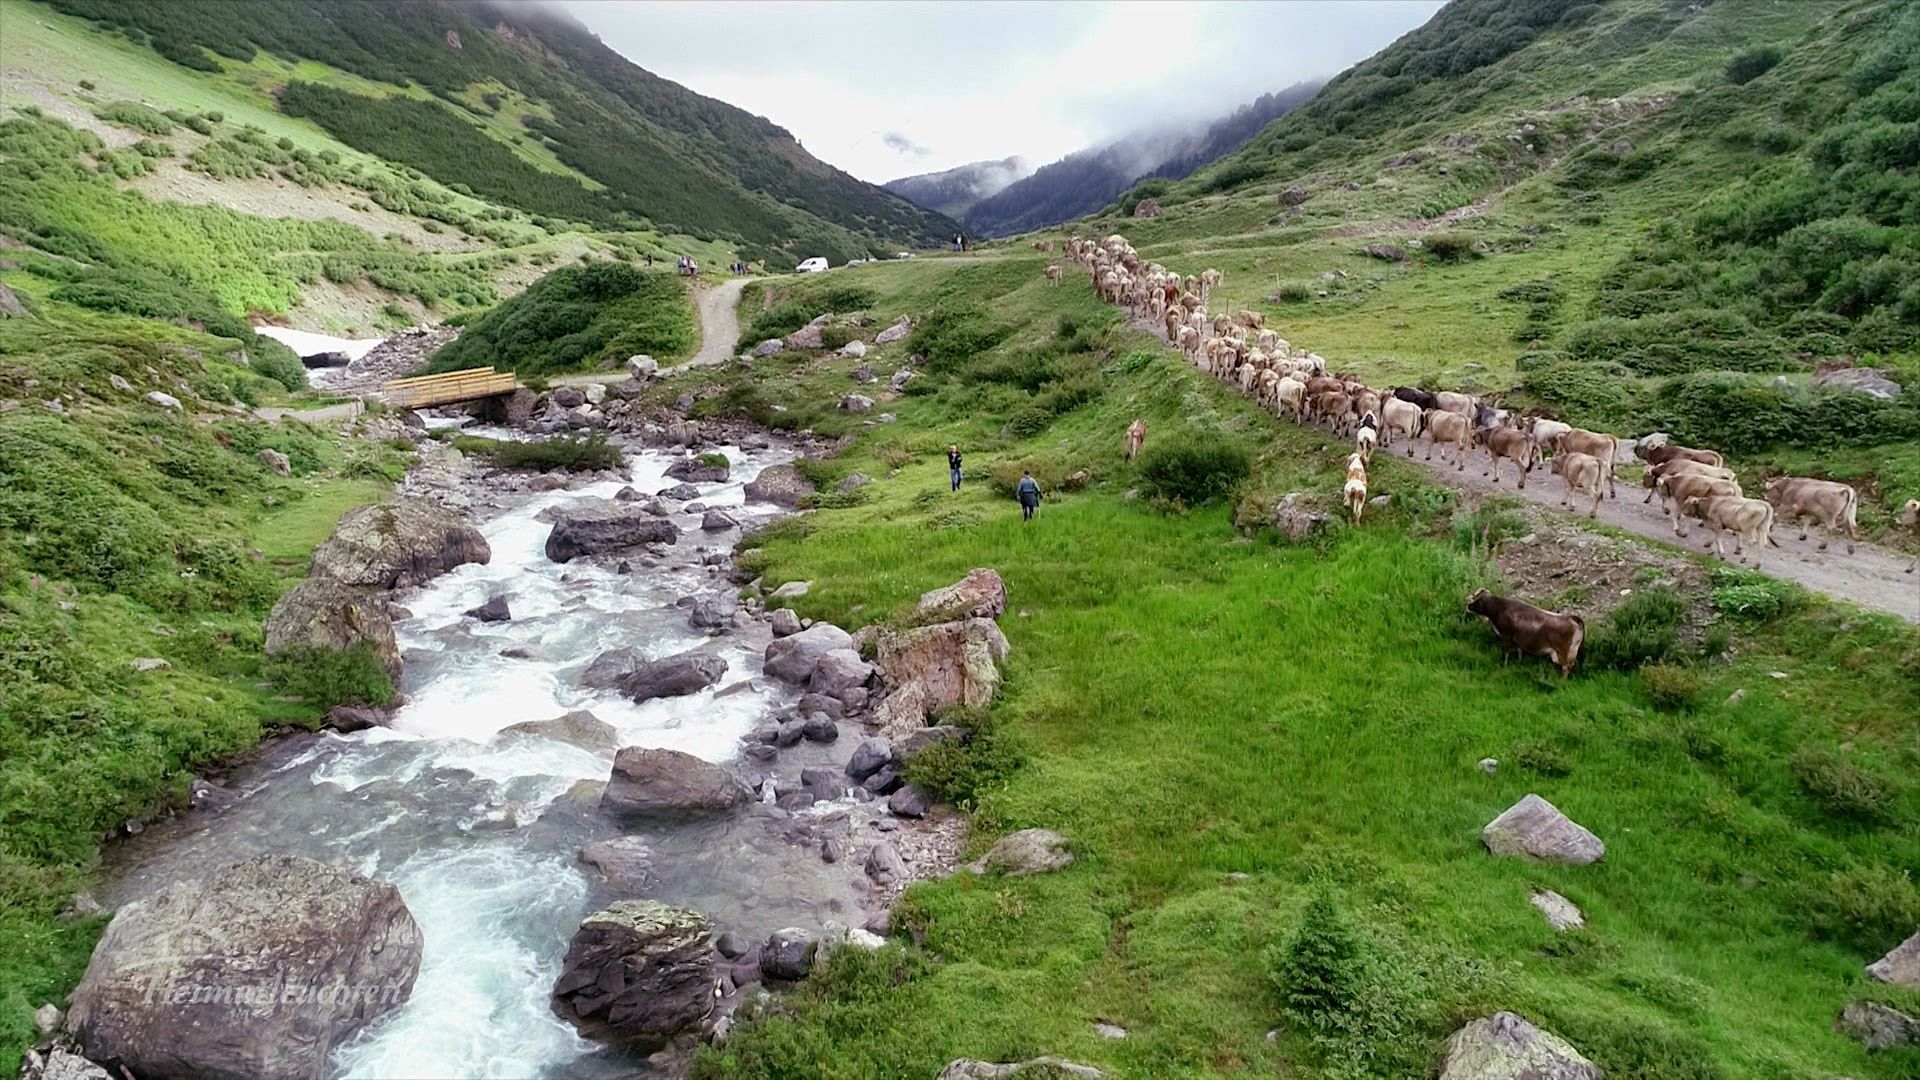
x,y
447,388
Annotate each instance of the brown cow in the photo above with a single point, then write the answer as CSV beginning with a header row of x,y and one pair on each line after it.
x,y
1678,488
1331,406
1602,446
1910,517
1749,520
1665,452
1582,473
1136,437
1531,631
1510,444
1449,427
1681,467
1798,498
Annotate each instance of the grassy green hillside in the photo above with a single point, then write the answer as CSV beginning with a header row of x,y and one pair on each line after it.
x,y
129,531
1228,728
638,151
1641,214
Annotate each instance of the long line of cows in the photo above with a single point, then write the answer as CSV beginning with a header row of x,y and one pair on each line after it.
x,y
1238,349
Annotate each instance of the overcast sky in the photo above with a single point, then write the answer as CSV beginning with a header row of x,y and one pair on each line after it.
x,y
889,89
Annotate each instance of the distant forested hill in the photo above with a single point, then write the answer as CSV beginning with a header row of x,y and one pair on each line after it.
x,y
1083,182
639,149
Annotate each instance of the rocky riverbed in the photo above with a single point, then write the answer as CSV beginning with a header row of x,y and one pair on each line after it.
x,y
591,716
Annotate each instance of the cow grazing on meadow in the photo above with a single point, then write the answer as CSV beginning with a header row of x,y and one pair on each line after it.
x,y
1053,273
1832,504
1749,520
1136,437
1531,631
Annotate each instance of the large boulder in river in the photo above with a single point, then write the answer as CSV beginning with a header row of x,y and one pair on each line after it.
x,y
1534,828
638,973
607,669
199,980
1505,1046
672,676
782,485
601,526
794,657
697,471
651,782
979,595
394,545
321,613
932,667
579,728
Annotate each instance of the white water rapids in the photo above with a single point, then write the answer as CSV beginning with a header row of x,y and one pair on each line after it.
x,y
480,831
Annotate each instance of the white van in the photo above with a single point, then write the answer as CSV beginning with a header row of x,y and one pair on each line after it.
x,y
812,266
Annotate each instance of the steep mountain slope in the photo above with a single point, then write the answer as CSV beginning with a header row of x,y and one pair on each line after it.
x,y
1644,214
1083,182
432,80
953,191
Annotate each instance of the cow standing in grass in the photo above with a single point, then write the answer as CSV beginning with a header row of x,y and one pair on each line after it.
x,y
1531,631
1136,437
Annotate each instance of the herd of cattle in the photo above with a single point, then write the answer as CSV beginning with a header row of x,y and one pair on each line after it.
x,y
1238,349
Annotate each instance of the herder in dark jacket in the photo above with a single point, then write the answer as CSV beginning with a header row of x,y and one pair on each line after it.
x,y
1029,494
953,467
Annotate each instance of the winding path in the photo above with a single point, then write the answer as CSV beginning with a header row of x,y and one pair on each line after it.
x,y
719,325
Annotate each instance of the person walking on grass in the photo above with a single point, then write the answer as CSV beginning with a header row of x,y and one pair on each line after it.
x,y
953,467
1029,495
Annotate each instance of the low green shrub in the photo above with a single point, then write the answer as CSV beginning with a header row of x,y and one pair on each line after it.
x,y
590,452
1869,906
963,772
275,361
1190,472
955,332
1450,247
1753,597
1674,687
329,677
1750,64
1843,789
1642,631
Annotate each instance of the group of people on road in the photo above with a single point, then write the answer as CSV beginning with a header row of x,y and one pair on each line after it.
x,y
1027,491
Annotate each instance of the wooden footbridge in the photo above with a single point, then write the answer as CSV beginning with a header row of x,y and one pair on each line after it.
x,y
449,388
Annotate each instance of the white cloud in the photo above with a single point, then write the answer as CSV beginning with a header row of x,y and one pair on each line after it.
x,y
886,89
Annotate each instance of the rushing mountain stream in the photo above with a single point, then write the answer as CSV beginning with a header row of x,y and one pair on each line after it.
x,y
481,829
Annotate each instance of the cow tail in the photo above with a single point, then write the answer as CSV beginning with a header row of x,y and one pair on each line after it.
x,y
1771,542
1579,640
1852,508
